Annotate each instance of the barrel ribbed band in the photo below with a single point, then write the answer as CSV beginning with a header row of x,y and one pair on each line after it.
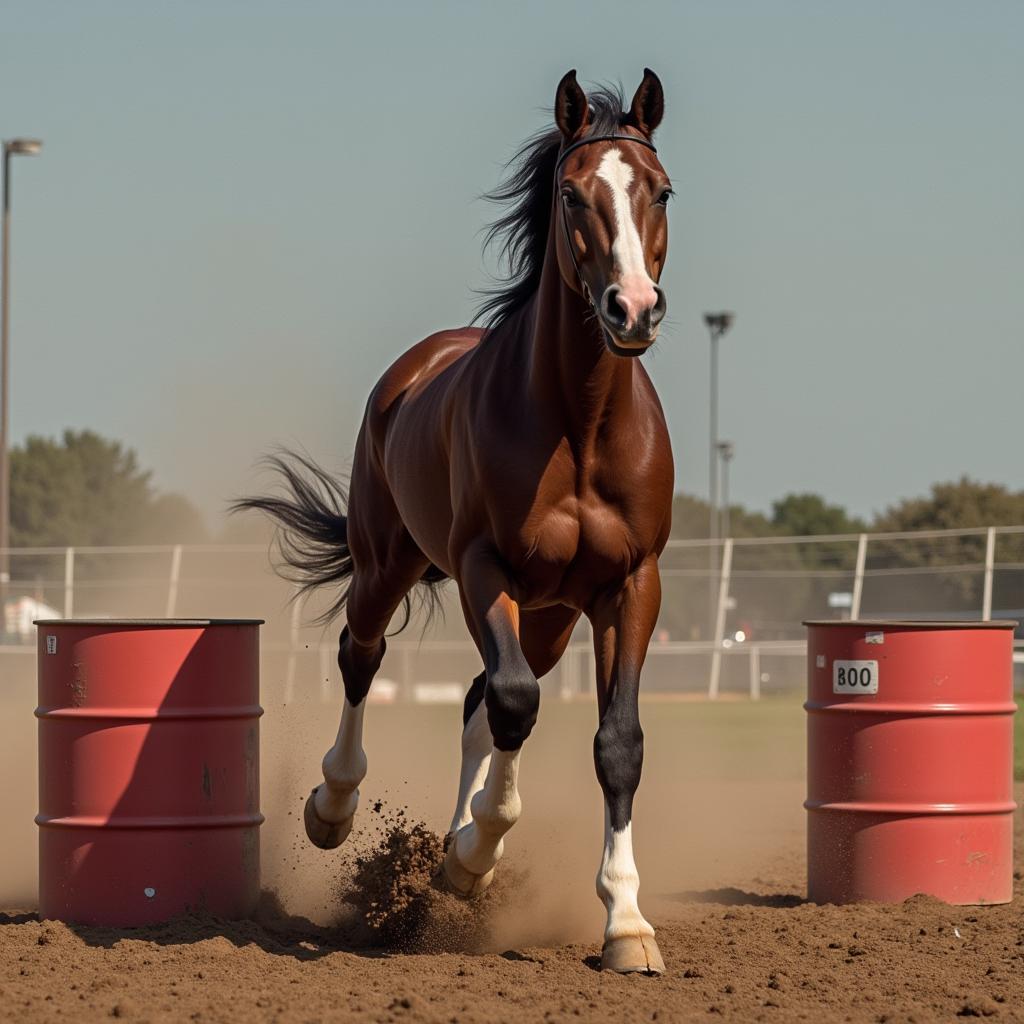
x,y
897,809
150,714
150,821
907,708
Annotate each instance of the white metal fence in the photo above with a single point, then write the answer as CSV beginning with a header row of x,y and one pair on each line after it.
x,y
730,623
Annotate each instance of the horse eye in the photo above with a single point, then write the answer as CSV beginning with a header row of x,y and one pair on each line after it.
x,y
570,199
665,197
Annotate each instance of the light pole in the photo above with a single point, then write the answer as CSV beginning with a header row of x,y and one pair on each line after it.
x,y
726,450
717,324
12,147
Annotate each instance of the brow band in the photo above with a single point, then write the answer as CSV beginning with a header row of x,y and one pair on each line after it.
x,y
602,138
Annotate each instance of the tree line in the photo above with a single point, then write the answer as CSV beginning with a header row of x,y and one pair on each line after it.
x,y
84,489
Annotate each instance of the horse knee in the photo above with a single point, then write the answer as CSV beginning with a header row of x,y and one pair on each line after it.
x,y
619,757
512,703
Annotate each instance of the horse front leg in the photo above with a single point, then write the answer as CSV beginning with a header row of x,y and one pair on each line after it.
x,y
511,700
476,755
623,622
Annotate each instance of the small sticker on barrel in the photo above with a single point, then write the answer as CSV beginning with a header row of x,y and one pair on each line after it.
x,y
51,645
855,677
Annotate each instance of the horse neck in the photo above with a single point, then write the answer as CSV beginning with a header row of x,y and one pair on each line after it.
x,y
571,369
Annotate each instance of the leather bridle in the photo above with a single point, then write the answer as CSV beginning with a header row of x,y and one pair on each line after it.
x,y
565,217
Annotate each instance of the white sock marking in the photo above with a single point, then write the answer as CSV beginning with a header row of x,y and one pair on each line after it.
x,y
495,809
618,883
476,757
344,767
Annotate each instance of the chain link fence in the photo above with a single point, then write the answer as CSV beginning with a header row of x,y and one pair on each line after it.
x,y
730,621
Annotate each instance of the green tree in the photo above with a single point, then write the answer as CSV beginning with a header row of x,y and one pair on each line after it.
x,y
87,490
956,505
808,515
953,505
690,520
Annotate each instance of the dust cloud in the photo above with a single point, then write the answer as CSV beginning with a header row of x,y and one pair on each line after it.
x,y
718,805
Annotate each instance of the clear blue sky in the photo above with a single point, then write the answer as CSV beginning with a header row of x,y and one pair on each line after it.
x,y
245,210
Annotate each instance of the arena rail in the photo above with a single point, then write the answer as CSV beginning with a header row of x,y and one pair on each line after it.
x,y
730,605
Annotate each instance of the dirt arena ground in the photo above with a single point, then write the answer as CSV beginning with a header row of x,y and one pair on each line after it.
x,y
719,837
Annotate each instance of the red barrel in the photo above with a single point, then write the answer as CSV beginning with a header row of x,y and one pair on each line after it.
x,y
910,761
148,768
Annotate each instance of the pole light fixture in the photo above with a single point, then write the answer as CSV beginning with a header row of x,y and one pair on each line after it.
x,y
717,324
11,147
726,450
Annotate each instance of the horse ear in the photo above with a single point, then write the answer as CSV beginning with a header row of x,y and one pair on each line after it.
x,y
648,106
571,110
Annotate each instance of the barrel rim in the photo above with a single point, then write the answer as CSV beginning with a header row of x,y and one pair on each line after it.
x,y
169,623
916,623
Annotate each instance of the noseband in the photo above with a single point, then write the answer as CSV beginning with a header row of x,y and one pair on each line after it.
x,y
565,217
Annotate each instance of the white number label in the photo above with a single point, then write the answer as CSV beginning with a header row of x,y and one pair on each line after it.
x,y
855,677
51,644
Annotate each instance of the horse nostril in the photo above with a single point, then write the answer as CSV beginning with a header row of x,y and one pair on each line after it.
x,y
611,309
660,307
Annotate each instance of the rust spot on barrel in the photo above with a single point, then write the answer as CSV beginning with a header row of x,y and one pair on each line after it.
x,y
79,690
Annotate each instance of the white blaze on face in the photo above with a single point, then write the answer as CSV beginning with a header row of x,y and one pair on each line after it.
x,y
627,250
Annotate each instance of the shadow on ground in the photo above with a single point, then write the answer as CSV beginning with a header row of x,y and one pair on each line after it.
x,y
731,897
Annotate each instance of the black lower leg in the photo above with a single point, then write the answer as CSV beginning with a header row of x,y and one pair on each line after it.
x,y
513,700
474,697
619,757
358,663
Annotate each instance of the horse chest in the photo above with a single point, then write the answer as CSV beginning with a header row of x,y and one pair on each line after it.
x,y
572,550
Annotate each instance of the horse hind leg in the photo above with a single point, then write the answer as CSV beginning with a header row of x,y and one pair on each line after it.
x,y
331,807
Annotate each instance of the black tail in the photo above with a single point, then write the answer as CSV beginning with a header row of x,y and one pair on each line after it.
x,y
312,533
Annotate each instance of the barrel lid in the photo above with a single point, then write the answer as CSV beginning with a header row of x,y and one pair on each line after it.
x,y
172,623
916,623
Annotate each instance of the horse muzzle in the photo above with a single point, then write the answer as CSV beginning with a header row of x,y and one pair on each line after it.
x,y
631,322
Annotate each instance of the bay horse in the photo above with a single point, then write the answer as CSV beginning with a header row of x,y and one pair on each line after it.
x,y
528,461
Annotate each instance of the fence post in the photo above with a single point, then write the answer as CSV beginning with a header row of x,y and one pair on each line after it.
x,y
325,673
755,672
172,586
69,582
566,666
407,692
990,564
858,576
293,649
723,600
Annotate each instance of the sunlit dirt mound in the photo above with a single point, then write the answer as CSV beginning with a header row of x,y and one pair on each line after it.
x,y
394,898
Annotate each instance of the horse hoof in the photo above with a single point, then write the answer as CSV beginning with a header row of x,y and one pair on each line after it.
x,y
632,954
327,835
454,878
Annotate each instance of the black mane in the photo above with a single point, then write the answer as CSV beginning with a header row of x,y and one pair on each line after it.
x,y
521,233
